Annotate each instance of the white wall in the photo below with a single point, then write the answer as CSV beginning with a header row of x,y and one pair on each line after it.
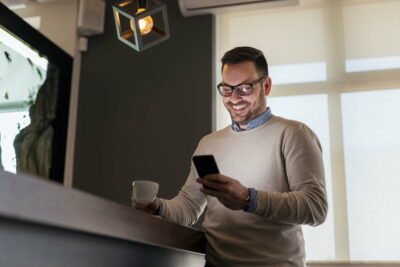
x,y
57,21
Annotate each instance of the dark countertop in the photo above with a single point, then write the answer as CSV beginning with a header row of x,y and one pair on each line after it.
x,y
35,200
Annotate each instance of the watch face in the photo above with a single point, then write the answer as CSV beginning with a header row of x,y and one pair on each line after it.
x,y
246,200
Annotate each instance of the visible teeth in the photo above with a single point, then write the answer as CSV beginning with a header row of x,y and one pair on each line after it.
x,y
239,107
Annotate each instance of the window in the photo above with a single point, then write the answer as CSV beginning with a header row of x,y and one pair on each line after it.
x,y
371,131
335,65
367,45
11,124
22,72
299,108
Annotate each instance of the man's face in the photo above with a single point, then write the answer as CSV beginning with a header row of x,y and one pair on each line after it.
x,y
243,109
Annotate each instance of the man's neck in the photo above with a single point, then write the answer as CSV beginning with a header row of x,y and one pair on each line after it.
x,y
243,127
255,122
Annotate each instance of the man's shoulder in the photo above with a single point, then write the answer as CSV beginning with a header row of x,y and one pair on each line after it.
x,y
212,140
217,134
291,128
281,122
279,125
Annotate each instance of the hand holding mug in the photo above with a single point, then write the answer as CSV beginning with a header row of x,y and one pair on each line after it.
x,y
144,196
150,208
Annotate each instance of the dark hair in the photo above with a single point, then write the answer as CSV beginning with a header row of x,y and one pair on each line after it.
x,y
246,53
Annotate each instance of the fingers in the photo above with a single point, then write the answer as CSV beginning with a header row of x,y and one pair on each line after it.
x,y
212,184
139,206
214,193
148,208
215,181
226,199
218,178
227,190
145,208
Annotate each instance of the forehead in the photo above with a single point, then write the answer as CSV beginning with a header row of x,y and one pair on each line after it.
x,y
239,72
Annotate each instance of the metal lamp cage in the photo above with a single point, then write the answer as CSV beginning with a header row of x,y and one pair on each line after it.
x,y
127,16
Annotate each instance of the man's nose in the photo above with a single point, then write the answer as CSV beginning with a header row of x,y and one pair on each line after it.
x,y
235,97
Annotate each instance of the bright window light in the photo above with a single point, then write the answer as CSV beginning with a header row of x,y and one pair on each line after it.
x,y
371,35
371,130
298,73
376,63
11,123
21,48
313,111
310,43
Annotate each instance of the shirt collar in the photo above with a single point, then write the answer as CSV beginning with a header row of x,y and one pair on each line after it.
x,y
261,119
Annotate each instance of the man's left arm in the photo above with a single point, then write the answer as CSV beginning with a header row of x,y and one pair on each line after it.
x,y
306,203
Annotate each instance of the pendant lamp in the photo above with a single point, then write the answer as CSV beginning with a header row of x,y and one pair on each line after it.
x,y
141,24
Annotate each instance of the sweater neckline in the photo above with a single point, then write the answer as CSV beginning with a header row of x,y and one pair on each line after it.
x,y
265,124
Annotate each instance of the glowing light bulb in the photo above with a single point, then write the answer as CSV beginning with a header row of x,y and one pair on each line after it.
x,y
145,24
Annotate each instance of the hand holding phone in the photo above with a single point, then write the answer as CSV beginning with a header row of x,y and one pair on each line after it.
x,y
205,164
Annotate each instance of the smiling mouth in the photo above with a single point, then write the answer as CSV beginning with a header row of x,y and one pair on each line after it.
x,y
239,108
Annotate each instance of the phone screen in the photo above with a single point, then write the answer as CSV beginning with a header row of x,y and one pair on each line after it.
x,y
205,164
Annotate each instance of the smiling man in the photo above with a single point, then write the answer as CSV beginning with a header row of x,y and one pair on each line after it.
x,y
241,78
271,181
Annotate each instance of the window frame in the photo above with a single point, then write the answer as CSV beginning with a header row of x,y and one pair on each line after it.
x,y
338,81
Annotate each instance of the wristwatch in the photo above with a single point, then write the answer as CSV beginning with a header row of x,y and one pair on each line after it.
x,y
246,200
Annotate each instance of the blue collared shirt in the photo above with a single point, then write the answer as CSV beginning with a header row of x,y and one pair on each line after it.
x,y
263,118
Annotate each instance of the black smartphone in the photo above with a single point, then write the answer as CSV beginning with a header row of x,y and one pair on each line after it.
x,y
205,164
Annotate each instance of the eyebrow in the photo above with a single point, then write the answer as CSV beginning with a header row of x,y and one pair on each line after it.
x,y
227,84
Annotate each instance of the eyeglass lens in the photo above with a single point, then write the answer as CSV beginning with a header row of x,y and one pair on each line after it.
x,y
243,90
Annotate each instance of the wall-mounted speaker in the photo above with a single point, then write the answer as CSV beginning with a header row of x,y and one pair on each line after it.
x,y
91,17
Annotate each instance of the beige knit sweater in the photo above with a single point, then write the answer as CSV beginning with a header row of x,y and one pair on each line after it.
x,y
282,160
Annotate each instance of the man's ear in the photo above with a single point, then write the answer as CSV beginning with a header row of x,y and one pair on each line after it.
x,y
267,86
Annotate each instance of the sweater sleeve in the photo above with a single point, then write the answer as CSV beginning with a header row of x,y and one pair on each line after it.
x,y
188,205
306,202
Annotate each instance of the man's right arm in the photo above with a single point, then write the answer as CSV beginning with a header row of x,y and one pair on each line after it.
x,y
188,205
185,208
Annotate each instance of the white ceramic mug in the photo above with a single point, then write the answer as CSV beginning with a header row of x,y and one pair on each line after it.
x,y
144,192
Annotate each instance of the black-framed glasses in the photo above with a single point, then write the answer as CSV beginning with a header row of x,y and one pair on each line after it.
x,y
243,89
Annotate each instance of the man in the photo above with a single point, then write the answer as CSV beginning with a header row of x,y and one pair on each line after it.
x,y
271,181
